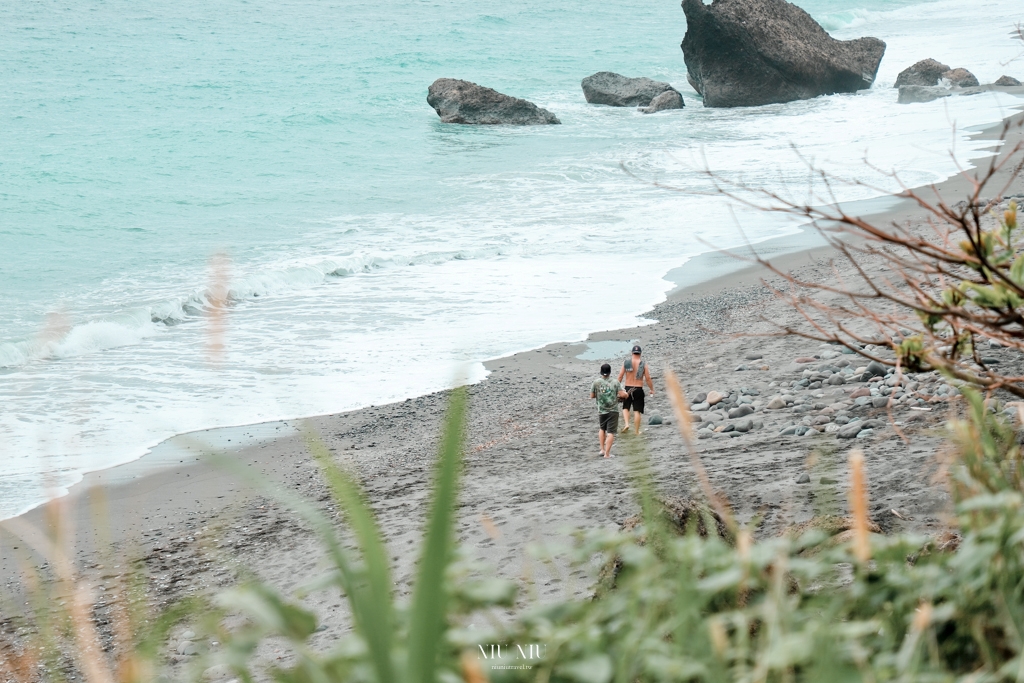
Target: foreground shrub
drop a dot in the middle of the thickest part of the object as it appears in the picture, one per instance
(693, 607)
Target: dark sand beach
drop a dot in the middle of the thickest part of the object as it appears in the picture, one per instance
(532, 467)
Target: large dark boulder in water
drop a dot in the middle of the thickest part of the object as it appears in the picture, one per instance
(743, 53)
(926, 72)
(617, 90)
(458, 101)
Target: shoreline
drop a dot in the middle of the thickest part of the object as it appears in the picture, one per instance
(530, 464)
(699, 274)
(695, 275)
(702, 273)
(705, 273)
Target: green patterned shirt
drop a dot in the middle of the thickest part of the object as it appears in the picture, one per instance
(606, 391)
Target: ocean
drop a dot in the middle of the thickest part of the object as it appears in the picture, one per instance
(156, 157)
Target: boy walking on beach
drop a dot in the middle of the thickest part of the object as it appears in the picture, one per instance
(635, 372)
(607, 391)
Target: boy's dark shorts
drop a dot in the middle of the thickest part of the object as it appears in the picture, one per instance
(609, 422)
(635, 399)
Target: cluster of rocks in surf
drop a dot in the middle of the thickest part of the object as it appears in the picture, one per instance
(930, 79)
(737, 53)
(457, 101)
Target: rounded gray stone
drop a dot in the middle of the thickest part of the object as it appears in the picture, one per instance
(741, 411)
(849, 431)
(875, 369)
(670, 99)
(217, 672)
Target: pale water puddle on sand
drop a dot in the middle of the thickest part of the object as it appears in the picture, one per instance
(605, 350)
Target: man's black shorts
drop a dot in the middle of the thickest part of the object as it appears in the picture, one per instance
(609, 422)
(635, 399)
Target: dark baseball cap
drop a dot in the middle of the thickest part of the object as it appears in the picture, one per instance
(606, 369)
(636, 348)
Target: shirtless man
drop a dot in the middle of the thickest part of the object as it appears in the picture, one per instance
(635, 373)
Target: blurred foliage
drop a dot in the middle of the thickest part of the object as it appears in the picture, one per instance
(71, 628)
(691, 607)
(691, 596)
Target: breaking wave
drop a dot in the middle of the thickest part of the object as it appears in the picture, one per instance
(135, 325)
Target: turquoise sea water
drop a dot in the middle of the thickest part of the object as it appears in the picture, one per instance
(138, 141)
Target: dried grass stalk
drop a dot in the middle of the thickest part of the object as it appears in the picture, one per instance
(683, 417)
(859, 507)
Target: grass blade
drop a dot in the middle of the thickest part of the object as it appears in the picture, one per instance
(429, 598)
(373, 603)
(350, 579)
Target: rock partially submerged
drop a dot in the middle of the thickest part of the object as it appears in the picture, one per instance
(670, 99)
(910, 94)
(1007, 82)
(616, 90)
(960, 78)
(753, 52)
(457, 101)
(927, 72)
